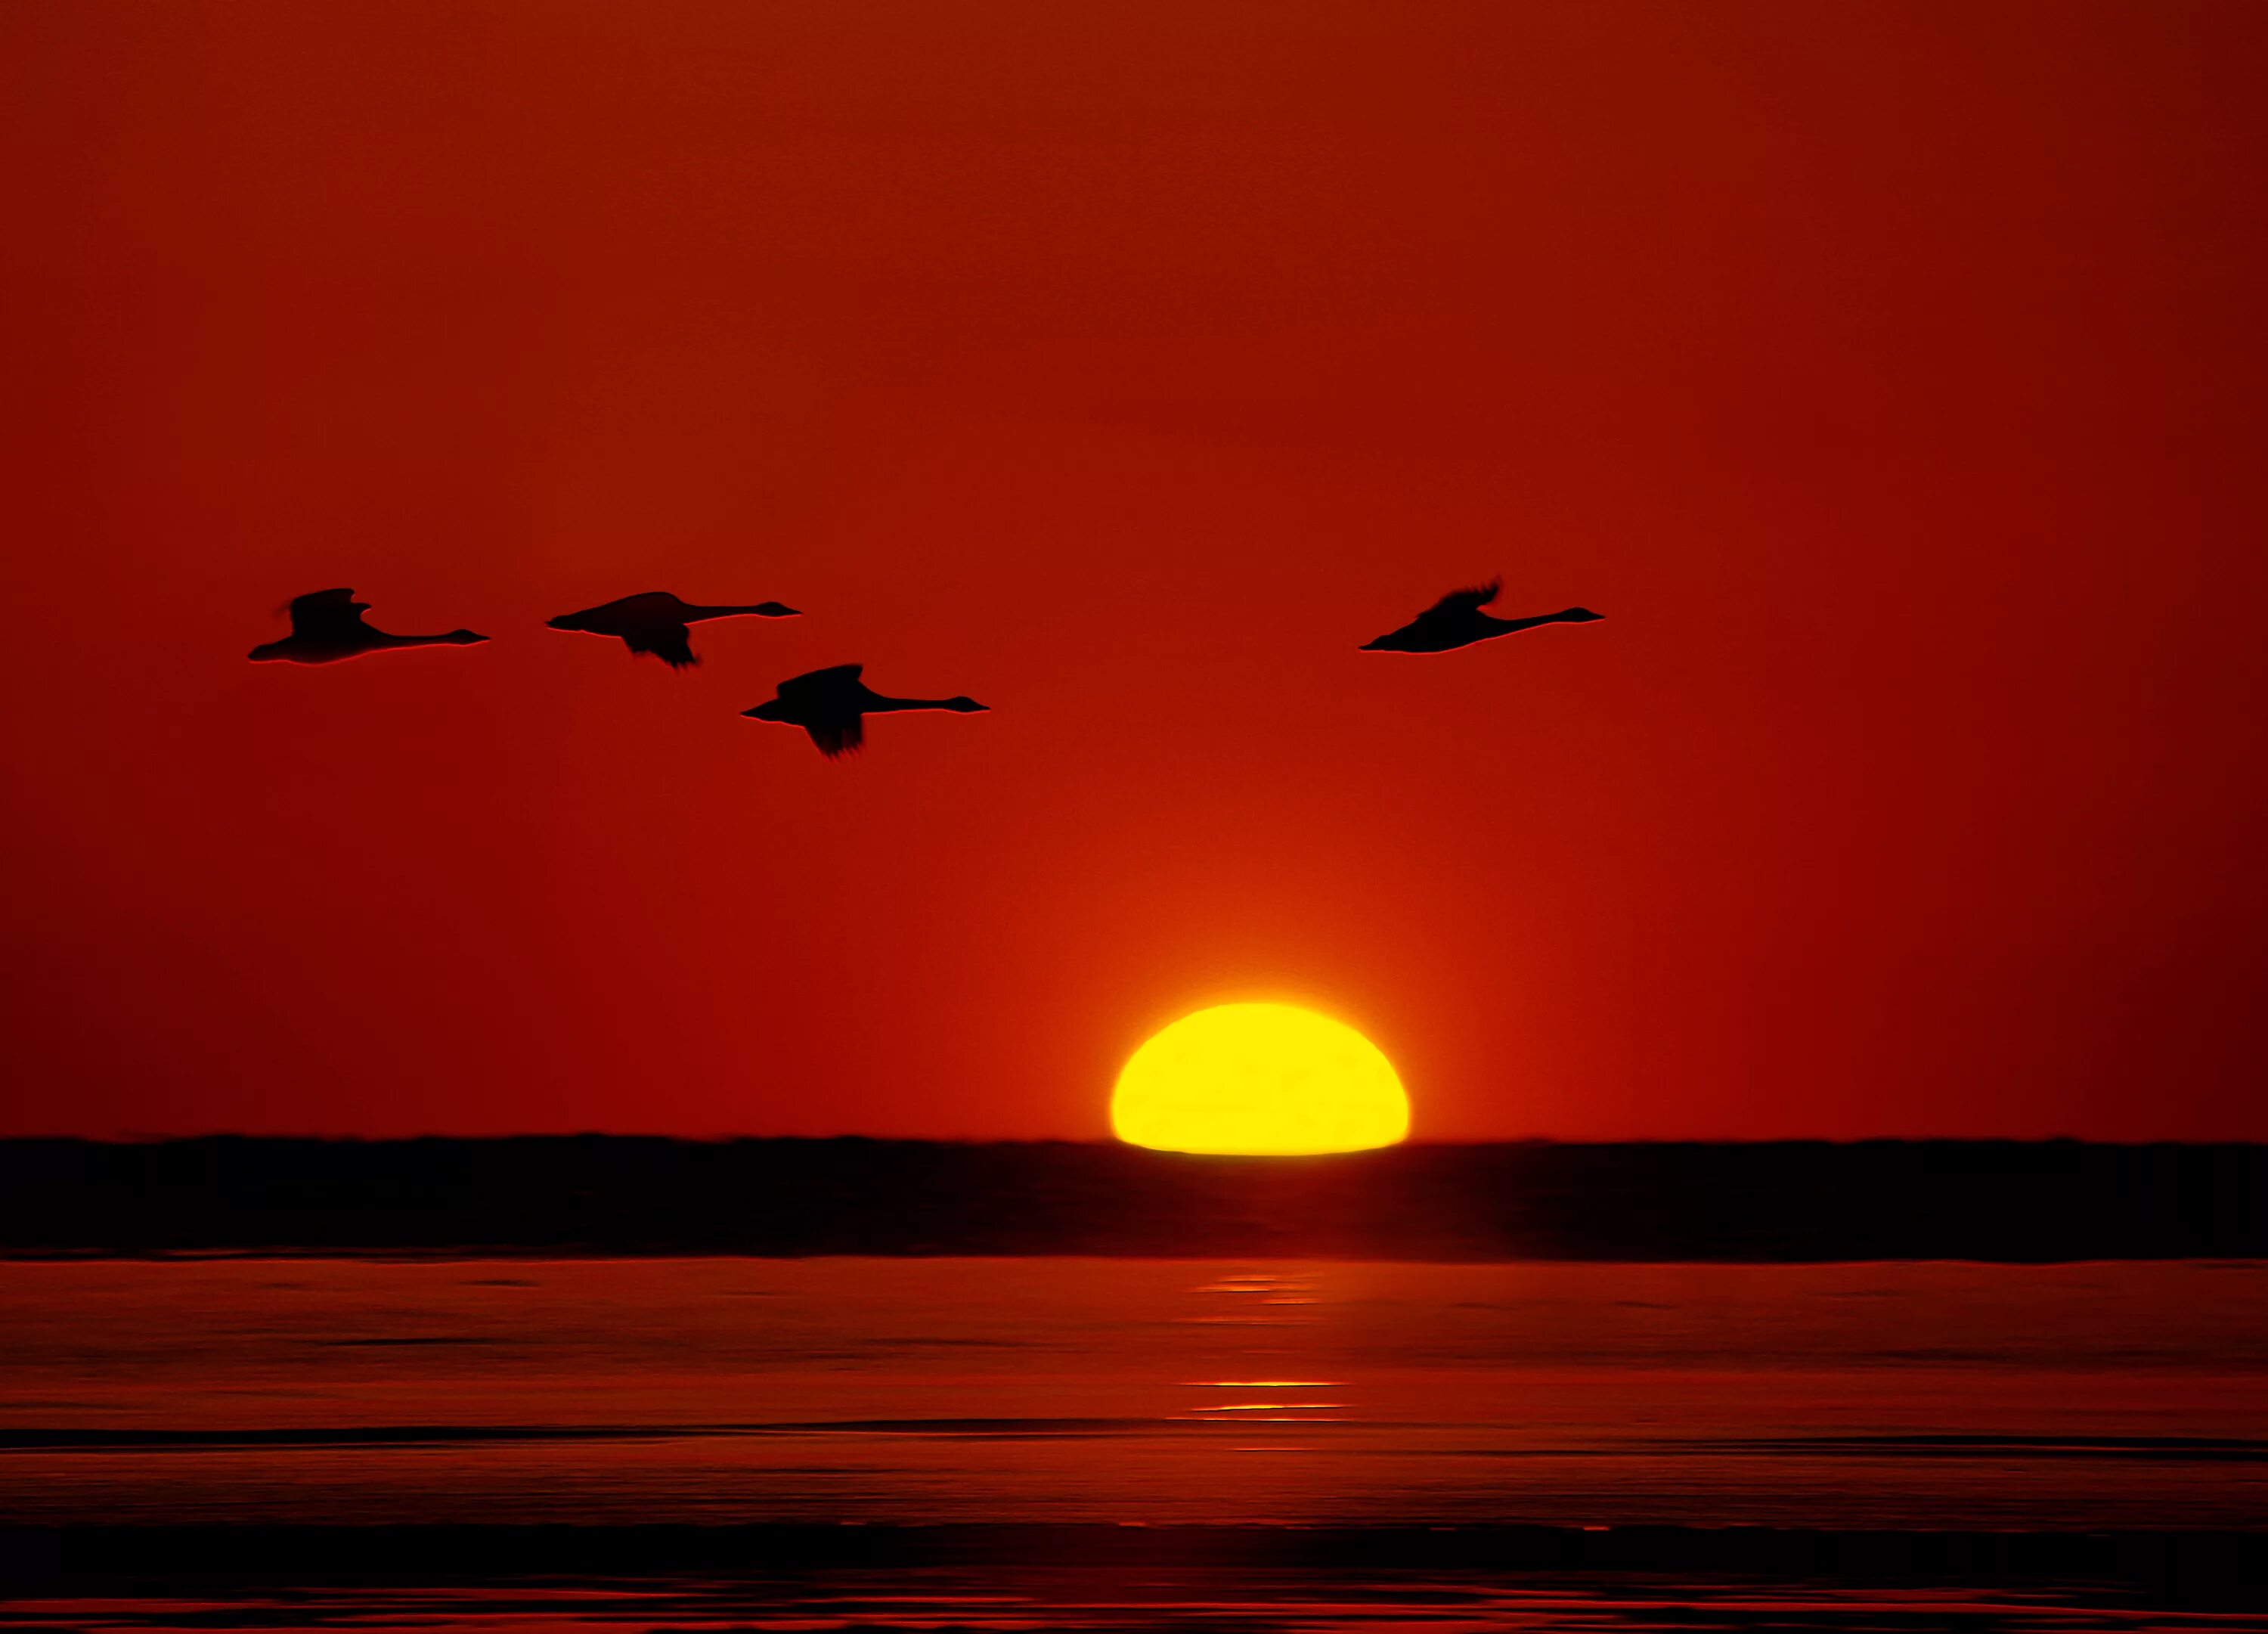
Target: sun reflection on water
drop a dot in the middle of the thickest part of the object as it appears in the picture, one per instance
(1240, 1293)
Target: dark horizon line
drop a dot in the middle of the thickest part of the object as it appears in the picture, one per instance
(1786, 1201)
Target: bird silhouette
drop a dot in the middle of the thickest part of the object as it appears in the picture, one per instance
(832, 705)
(1457, 621)
(327, 626)
(656, 623)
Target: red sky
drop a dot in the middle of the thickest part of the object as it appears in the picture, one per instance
(1891, 376)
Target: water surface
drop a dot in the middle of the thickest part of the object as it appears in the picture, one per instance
(1934, 1395)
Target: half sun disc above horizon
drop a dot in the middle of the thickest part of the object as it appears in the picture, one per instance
(1259, 1081)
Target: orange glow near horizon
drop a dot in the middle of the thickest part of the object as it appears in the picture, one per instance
(1260, 1080)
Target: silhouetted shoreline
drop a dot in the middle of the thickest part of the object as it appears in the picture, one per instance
(1792, 1201)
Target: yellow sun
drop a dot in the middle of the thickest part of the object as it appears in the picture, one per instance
(1262, 1079)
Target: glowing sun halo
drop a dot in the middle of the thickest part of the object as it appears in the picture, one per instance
(1270, 1080)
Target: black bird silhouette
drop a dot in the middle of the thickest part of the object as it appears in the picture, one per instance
(656, 623)
(1457, 621)
(327, 626)
(832, 705)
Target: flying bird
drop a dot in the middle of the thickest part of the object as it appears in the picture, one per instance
(656, 623)
(327, 626)
(832, 705)
(1457, 621)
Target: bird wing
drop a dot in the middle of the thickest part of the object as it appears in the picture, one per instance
(1468, 600)
(838, 735)
(672, 643)
(611, 618)
(332, 613)
(822, 686)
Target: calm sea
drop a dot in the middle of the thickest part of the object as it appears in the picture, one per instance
(1062, 1394)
